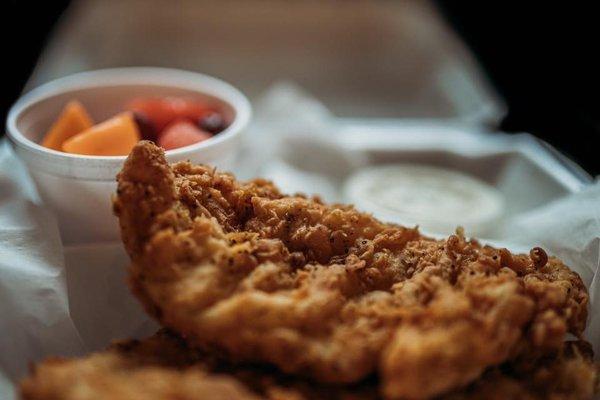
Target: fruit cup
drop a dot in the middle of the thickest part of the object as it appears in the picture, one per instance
(78, 188)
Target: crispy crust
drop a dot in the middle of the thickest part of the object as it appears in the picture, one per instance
(157, 368)
(163, 367)
(328, 292)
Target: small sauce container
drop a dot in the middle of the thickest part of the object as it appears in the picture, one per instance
(437, 199)
(78, 188)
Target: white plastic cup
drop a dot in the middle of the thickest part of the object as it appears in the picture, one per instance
(437, 199)
(78, 188)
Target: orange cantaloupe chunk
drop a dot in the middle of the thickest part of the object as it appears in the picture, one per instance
(72, 120)
(113, 137)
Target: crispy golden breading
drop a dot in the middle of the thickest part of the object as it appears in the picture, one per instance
(163, 367)
(568, 374)
(157, 368)
(328, 292)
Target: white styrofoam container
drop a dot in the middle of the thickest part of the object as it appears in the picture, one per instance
(525, 171)
(78, 188)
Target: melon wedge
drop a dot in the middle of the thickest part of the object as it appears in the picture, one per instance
(113, 137)
(72, 120)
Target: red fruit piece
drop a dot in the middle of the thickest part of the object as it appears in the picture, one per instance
(164, 110)
(181, 133)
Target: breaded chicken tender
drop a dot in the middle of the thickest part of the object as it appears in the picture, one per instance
(568, 374)
(156, 368)
(327, 292)
(163, 367)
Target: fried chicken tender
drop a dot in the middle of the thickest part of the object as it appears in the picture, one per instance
(328, 292)
(568, 374)
(163, 367)
(157, 368)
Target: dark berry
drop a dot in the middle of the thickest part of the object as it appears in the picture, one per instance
(212, 122)
(146, 126)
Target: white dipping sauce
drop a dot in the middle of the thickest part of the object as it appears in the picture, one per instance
(436, 199)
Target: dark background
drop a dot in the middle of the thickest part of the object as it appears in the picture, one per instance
(540, 57)
(541, 60)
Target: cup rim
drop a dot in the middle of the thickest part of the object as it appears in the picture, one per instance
(176, 78)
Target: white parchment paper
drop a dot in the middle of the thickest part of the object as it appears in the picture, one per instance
(69, 301)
